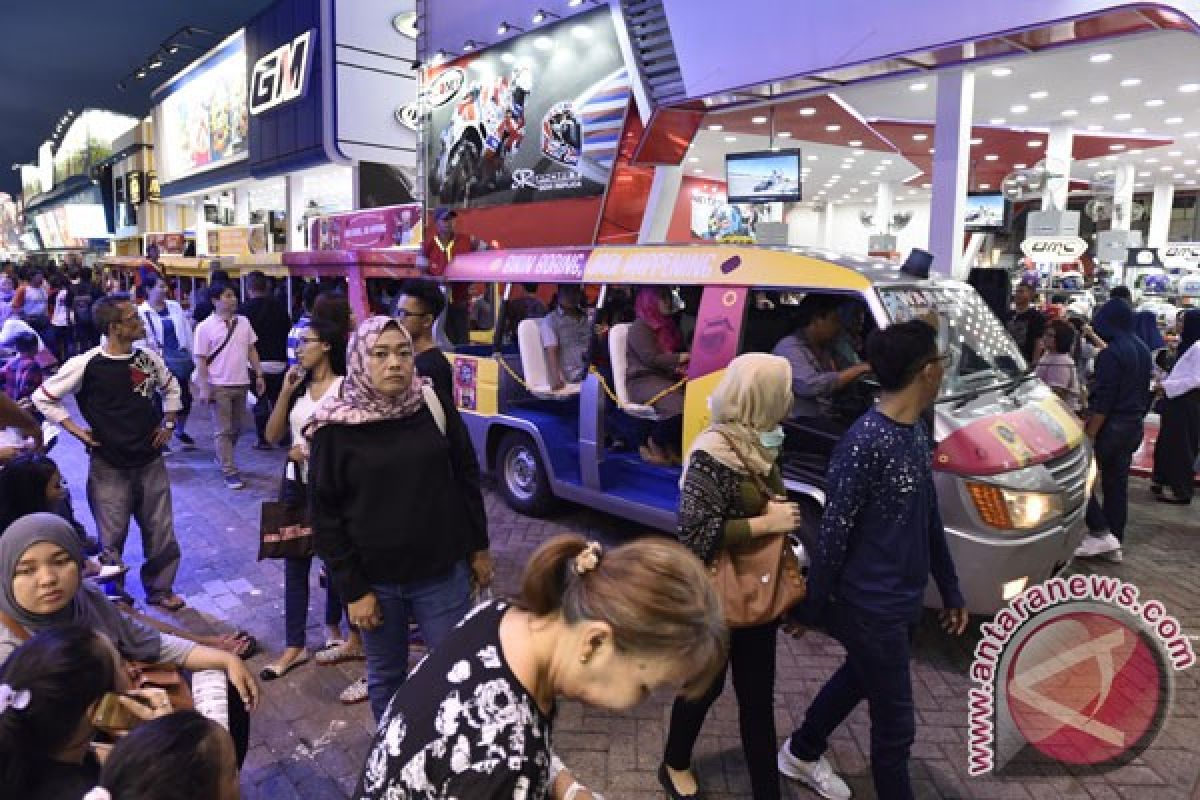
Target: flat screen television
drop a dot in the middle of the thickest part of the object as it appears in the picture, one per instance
(985, 211)
(763, 177)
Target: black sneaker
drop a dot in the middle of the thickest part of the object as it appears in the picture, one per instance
(187, 441)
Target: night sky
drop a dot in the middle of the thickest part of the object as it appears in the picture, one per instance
(69, 54)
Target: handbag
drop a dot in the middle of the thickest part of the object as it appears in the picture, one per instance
(283, 531)
(759, 581)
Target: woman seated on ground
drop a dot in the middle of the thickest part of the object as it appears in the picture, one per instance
(50, 688)
(181, 756)
(41, 588)
(654, 365)
(605, 628)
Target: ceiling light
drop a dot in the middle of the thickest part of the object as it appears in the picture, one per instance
(141, 73)
(731, 138)
(985, 186)
(1190, 162)
(155, 62)
(1188, 88)
(1001, 72)
(1034, 143)
(1116, 147)
(976, 140)
(694, 160)
(1145, 174)
(697, 171)
(776, 148)
(1070, 112)
(864, 182)
(812, 157)
(1020, 166)
(469, 45)
(926, 185)
(1167, 168)
(1100, 58)
(540, 16)
(991, 157)
(919, 86)
(716, 127)
(1018, 109)
(1093, 164)
(1131, 82)
(833, 128)
(1041, 94)
(1151, 160)
(996, 121)
(759, 120)
(1097, 99)
(931, 151)
(1095, 128)
(855, 143)
(504, 27)
(920, 137)
(1154, 102)
(860, 152)
(1124, 115)
(1174, 120)
(1111, 158)
(1191, 134)
(1175, 153)
(807, 111)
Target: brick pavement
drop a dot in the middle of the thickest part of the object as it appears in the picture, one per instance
(305, 744)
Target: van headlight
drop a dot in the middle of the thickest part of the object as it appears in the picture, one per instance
(1090, 484)
(1010, 509)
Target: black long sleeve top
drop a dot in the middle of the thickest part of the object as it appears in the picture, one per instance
(395, 501)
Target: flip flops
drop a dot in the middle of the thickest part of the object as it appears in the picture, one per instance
(273, 672)
(354, 693)
(168, 602)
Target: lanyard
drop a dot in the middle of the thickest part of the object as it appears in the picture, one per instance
(447, 250)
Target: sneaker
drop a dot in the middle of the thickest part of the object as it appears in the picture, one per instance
(816, 775)
(187, 441)
(355, 692)
(1101, 545)
(234, 481)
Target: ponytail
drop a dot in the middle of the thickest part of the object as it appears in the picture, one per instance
(47, 687)
(654, 594)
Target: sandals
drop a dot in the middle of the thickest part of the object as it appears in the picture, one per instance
(354, 693)
(273, 672)
(239, 643)
(168, 602)
(337, 651)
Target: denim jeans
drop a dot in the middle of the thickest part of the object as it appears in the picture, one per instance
(437, 604)
(117, 494)
(1115, 445)
(876, 668)
(295, 601)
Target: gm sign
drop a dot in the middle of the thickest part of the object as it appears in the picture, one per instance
(280, 76)
(1054, 249)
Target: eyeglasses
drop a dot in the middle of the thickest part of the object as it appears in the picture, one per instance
(404, 313)
(306, 340)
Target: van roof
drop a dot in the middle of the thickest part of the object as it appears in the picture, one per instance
(735, 265)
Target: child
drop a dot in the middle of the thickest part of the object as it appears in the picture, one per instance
(1057, 368)
(23, 374)
(179, 755)
(32, 483)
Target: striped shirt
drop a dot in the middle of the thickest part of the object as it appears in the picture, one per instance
(293, 339)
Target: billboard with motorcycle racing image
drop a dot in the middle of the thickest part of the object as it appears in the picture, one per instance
(535, 118)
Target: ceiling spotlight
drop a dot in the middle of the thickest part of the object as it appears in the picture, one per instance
(788, 135)
(155, 62)
(1174, 120)
(141, 73)
(731, 138)
(833, 128)
(807, 111)
(504, 27)
(1094, 128)
(855, 143)
(996, 121)
(541, 15)
(1154, 103)
(1137, 130)
(1020, 166)
(1034, 143)
(759, 120)
(440, 57)
(1123, 116)
(919, 86)
(920, 137)
(1039, 95)
(1001, 72)
(172, 49)
(716, 127)
(469, 45)
(991, 157)
(1070, 112)
(1019, 109)
(1097, 99)
(1128, 82)
(1100, 58)
(1116, 147)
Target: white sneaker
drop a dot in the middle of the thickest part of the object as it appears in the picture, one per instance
(1104, 546)
(816, 775)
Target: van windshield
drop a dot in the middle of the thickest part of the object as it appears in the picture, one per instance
(982, 353)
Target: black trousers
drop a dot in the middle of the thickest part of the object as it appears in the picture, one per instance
(1177, 444)
(752, 656)
(1114, 447)
(264, 403)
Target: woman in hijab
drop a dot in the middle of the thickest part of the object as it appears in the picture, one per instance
(1145, 325)
(397, 513)
(721, 506)
(41, 563)
(654, 365)
(1179, 430)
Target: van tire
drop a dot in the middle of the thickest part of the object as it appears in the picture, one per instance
(522, 476)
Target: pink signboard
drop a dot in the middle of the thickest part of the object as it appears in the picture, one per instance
(715, 342)
(520, 266)
(390, 226)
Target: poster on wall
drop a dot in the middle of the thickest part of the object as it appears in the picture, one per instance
(536, 118)
(385, 184)
(714, 219)
(240, 240)
(395, 226)
(167, 243)
(204, 120)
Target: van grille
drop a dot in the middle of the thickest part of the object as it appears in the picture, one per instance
(1070, 472)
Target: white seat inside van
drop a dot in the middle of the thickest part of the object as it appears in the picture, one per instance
(618, 337)
(534, 365)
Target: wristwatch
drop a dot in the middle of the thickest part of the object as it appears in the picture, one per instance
(169, 425)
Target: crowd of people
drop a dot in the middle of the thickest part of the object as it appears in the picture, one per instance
(384, 483)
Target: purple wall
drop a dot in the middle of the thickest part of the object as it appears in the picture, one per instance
(724, 46)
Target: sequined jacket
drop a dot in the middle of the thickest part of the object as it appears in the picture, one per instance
(716, 503)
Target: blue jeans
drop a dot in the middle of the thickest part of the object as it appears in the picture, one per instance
(295, 601)
(876, 668)
(437, 604)
(1115, 445)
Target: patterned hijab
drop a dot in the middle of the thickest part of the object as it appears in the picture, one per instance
(89, 607)
(670, 339)
(359, 402)
(753, 397)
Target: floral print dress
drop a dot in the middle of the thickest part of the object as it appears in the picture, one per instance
(462, 726)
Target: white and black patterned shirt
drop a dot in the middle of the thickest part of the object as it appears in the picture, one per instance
(462, 726)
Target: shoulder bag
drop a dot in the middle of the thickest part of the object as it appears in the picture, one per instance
(760, 580)
(284, 529)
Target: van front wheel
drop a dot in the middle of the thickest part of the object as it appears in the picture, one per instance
(522, 476)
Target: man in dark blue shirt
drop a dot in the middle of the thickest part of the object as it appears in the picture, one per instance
(1118, 400)
(881, 537)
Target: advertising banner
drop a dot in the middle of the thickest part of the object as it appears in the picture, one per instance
(535, 118)
(394, 226)
(714, 219)
(1181, 254)
(239, 240)
(1054, 249)
(167, 243)
(204, 119)
(515, 266)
